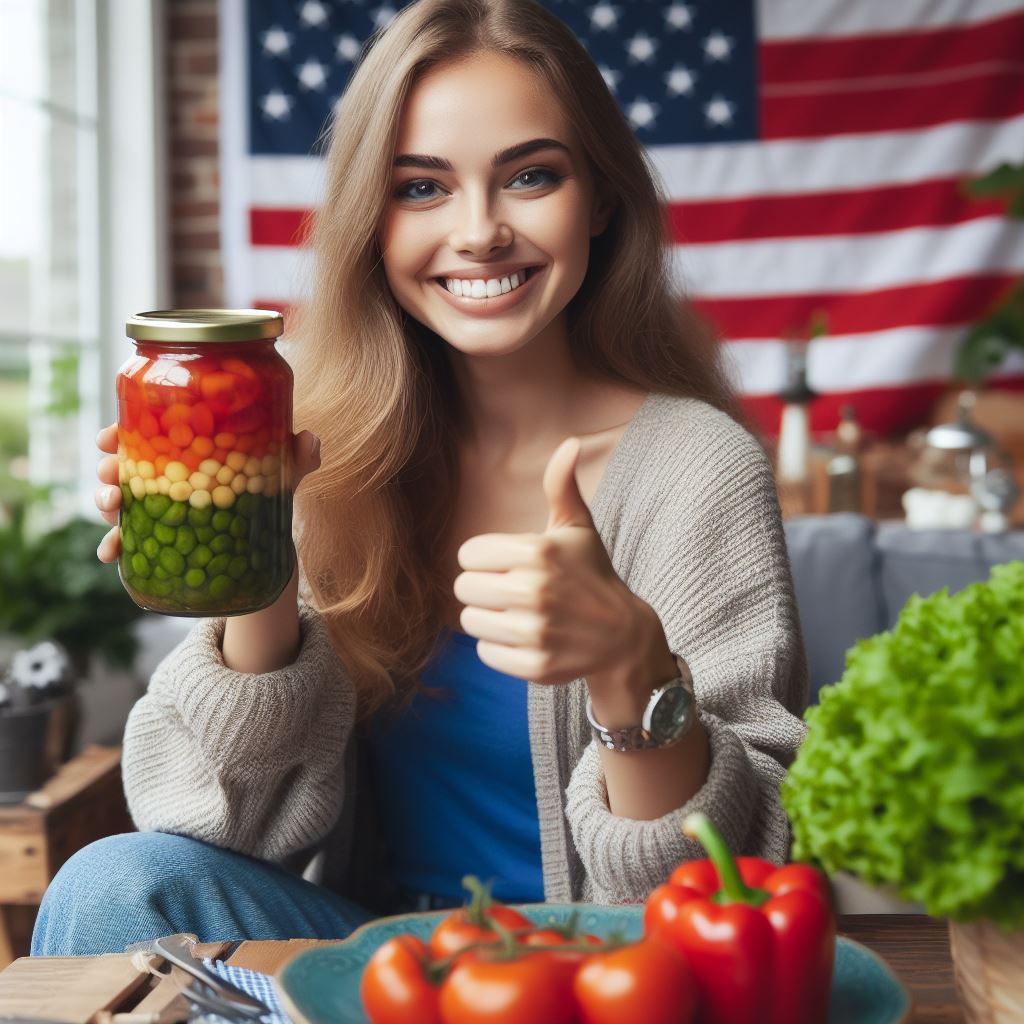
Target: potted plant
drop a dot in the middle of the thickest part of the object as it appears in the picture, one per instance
(912, 776)
(35, 716)
(58, 607)
(1002, 329)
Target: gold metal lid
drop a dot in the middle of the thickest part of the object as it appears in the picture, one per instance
(192, 325)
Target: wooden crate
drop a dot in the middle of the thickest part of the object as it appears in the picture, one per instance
(108, 989)
(83, 802)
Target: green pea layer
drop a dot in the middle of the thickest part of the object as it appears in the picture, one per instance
(184, 560)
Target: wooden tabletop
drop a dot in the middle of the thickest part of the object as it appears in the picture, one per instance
(917, 949)
(914, 946)
(84, 990)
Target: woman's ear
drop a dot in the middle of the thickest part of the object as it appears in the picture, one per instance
(601, 214)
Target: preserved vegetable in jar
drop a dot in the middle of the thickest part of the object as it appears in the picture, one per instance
(204, 428)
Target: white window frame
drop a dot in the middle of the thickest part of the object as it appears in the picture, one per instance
(132, 187)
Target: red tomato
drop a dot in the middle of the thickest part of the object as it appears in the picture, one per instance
(553, 937)
(569, 959)
(395, 988)
(648, 981)
(486, 990)
(456, 931)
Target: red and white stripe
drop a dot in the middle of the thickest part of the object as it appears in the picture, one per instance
(872, 116)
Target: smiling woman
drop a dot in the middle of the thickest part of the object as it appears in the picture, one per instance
(547, 610)
(489, 212)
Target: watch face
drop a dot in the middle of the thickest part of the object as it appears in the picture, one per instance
(671, 713)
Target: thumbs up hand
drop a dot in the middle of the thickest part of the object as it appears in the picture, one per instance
(549, 606)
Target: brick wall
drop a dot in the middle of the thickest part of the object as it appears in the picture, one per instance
(192, 111)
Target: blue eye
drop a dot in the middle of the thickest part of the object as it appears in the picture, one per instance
(423, 189)
(403, 191)
(548, 177)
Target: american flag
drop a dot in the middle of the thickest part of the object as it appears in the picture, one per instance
(813, 154)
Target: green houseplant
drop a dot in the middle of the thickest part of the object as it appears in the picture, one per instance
(912, 776)
(1002, 329)
(53, 591)
(54, 588)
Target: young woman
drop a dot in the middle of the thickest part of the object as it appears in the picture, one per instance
(532, 518)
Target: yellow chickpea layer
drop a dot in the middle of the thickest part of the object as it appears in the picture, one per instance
(214, 482)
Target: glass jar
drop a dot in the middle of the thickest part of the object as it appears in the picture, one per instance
(204, 425)
(962, 479)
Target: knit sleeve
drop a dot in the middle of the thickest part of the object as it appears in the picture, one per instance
(250, 762)
(716, 570)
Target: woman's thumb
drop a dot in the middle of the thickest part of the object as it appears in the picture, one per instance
(305, 455)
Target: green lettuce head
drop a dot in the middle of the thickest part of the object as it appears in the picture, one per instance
(912, 773)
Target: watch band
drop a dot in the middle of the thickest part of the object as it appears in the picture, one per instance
(639, 737)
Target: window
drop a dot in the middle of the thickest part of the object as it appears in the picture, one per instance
(49, 331)
(81, 245)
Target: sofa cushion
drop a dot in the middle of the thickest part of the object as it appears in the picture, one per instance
(835, 575)
(924, 561)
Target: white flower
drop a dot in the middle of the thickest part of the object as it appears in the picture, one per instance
(44, 668)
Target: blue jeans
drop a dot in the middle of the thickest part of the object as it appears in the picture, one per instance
(142, 885)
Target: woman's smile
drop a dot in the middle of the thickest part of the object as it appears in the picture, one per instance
(478, 297)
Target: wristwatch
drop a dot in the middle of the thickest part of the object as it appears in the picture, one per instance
(668, 717)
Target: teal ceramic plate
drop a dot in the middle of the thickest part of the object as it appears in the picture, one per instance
(321, 985)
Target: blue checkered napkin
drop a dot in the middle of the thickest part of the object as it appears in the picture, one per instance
(254, 984)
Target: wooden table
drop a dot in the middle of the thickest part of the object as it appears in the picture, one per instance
(86, 990)
(82, 802)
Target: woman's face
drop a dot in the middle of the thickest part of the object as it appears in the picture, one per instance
(489, 181)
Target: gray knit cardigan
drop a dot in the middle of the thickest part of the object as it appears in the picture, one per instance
(267, 764)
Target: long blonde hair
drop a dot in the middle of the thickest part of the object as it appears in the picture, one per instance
(376, 386)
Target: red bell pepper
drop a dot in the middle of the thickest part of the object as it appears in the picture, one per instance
(760, 939)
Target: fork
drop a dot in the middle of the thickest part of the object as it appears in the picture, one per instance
(178, 950)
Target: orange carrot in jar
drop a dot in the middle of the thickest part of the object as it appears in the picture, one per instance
(202, 419)
(179, 412)
(240, 369)
(181, 435)
(203, 446)
(148, 424)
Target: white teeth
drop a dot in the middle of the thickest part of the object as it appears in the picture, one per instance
(479, 289)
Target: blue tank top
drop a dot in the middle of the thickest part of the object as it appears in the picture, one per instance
(453, 781)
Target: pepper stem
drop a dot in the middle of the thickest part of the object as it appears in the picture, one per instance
(733, 889)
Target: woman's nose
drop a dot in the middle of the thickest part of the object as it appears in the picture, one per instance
(479, 227)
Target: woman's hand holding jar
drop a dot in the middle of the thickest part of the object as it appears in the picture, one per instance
(259, 641)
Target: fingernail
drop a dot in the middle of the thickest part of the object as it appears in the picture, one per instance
(107, 497)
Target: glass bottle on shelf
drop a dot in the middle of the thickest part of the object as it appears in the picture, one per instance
(962, 479)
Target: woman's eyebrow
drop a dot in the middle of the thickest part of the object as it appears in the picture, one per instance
(437, 163)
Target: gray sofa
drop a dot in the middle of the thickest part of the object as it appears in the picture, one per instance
(852, 577)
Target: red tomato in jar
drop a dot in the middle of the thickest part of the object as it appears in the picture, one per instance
(457, 931)
(648, 981)
(395, 988)
(483, 989)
